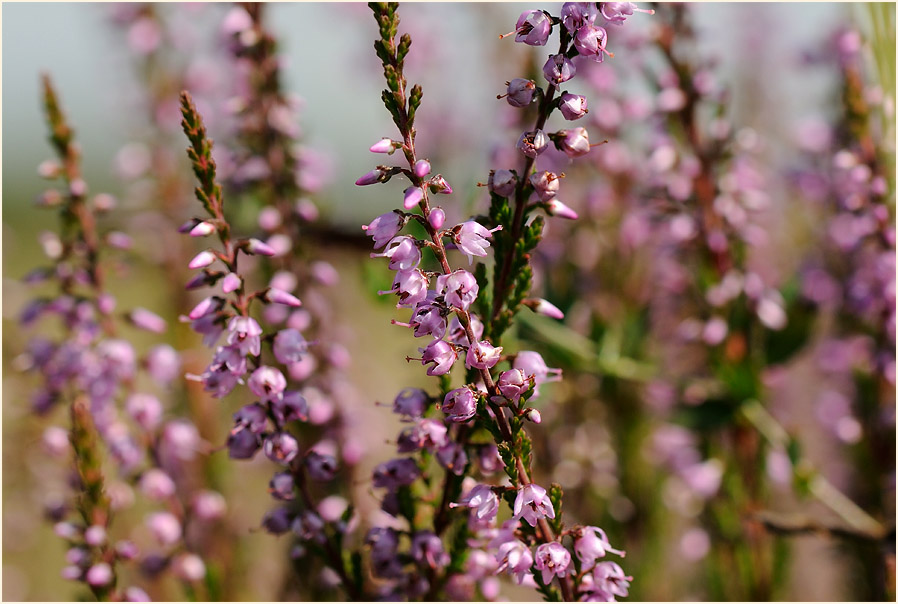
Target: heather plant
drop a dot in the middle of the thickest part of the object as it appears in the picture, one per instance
(608, 305)
(119, 436)
(486, 405)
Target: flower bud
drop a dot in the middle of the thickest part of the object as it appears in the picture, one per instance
(438, 184)
(556, 208)
(533, 143)
(202, 229)
(99, 575)
(146, 320)
(437, 218)
(384, 145)
(230, 283)
(374, 176)
(202, 260)
(533, 415)
(559, 69)
(279, 296)
(574, 142)
(422, 168)
(413, 196)
(254, 246)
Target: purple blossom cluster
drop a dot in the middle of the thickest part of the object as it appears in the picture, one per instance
(94, 371)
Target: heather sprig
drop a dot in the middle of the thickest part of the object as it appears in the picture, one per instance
(460, 292)
(91, 369)
(267, 424)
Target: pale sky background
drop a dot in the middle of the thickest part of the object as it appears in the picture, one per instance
(343, 116)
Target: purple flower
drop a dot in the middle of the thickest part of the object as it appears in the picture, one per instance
(532, 504)
(267, 383)
(253, 417)
(403, 253)
(459, 405)
(321, 467)
(482, 355)
(99, 575)
(573, 142)
(157, 485)
(383, 228)
(289, 346)
(590, 42)
(558, 69)
(553, 560)
(452, 456)
(573, 106)
(439, 185)
(291, 407)
(441, 354)
(512, 384)
(609, 577)
(396, 473)
(428, 319)
(543, 307)
(532, 363)
(483, 500)
(411, 402)
(545, 184)
(281, 486)
(520, 92)
(243, 443)
(411, 286)
(533, 28)
(533, 143)
(591, 543)
(427, 549)
(617, 12)
(459, 288)
(457, 333)
(514, 558)
(281, 448)
(244, 332)
(471, 238)
(279, 296)
(425, 434)
(502, 182)
(575, 15)
(277, 521)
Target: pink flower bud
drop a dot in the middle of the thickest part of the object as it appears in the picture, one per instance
(384, 145)
(149, 321)
(534, 416)
(437, 218)
(95, 535)
(230, 283)
(165, 527)
(202, 229)
(99, 575)
(371, 177)
(413, 196)
(104, 202)
(556, 208)
(188, 567)
(49, 169)
(254, 246)
(279, 296)
(422, 168)
(119, 240)
(544, 307)
(438, 184)
(202, 260)
(206, 306)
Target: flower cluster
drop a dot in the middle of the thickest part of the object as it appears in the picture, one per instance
(94, 371)
(472, 334)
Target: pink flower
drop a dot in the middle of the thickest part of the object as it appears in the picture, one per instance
(460, 405)
(591, 543)
(403, 253)
(483, 500)
(532, 504)
(267, 383)
(471, 238)
(512, 384)
(459, 288)
(533, 28)
(573, 106)
(441, 354)
(482, 355)
(553, 560)
(515, 558)
(573, 142)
